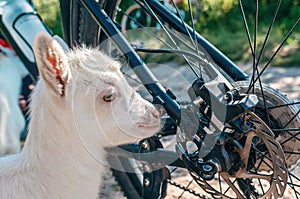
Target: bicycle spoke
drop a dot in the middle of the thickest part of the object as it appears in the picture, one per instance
(232, 186)
(268, 32)
(248, 36)
(146, 29)
(283, 105)
(168, 33)
(292, 119)
(187, 186)
(255, 39)
(290, 175)
(246, 26)
(276, 51)
(160, 23)
(256, 74)
(263, 157)
(264, 102)
(194, 33)
(156, 37)
(259, 180)
(180, 40)
(282, 43)
(193, 26)
(292, 152)
(292, 136)
(253, 48)
(286, 129)
(220, 184)
(255, 63)
(293, 185)
(183, 24)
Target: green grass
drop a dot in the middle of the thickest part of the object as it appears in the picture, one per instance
(236, 46)
(50, 14)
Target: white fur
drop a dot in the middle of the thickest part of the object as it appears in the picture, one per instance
(71, 123)
(12, 121)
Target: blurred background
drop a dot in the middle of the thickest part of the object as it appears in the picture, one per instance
(220, 21)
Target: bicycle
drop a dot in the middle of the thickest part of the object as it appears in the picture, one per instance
(151, 181)
(251, 150)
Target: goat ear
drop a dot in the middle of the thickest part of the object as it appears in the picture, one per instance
(52, 63)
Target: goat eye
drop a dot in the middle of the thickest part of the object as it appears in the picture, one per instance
(110, 97)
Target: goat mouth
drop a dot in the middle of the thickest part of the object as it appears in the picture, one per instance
(148, 126)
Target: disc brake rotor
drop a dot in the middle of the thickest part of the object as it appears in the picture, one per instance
(262, 172)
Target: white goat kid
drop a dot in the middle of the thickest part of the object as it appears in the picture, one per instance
(12, 121)
(81, 104)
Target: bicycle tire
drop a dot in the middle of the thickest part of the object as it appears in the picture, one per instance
(125, 18)
(78, 25)
(129, 182)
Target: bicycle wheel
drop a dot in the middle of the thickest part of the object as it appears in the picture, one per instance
(138, 14)
(277, 114)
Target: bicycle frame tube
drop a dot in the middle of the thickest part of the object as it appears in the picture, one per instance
(19, 24)
(138, 66)
(219, 58)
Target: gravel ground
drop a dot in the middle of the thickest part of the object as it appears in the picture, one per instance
(287, 80)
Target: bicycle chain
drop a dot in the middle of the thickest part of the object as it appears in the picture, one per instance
(187, 189)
